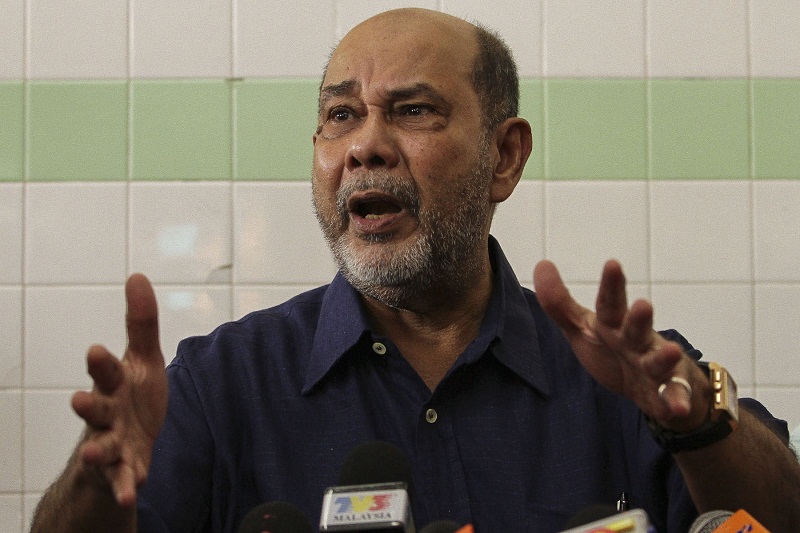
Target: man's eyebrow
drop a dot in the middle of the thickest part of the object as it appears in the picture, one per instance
(333, 90)
(416, 90)
(349, 87)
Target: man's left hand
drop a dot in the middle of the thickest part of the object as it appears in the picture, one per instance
(619, 347)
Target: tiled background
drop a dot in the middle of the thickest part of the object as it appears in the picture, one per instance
(173, 138)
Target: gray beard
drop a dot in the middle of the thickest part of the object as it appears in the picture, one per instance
(441, 258)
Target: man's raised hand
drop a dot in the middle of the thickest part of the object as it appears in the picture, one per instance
(126, 407)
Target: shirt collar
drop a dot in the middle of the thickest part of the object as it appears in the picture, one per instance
(508, 328)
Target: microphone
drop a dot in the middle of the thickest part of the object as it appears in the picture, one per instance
(741, 521)
(275, 517)
(708, 522)
(633, 521)
(372, 492)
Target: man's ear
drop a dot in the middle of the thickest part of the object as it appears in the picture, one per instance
(512, 143)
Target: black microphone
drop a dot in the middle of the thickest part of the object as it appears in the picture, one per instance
(710, 521)
(372, 492)
(275, 517)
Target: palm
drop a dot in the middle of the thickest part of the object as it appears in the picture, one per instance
(126, 408)
(616, 344)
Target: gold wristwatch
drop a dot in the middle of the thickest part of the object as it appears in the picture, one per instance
(721, 422)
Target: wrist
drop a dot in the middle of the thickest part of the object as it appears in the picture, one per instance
(713, 417)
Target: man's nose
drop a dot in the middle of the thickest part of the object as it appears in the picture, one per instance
(373, 145)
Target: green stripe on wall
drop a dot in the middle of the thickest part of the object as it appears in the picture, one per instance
(12, 120)
(261, 129)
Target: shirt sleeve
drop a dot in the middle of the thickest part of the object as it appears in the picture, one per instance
(177, 495)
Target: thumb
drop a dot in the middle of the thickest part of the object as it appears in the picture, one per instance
(142, 318)
(555, 298)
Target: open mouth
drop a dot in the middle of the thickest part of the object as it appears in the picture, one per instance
(374, 206)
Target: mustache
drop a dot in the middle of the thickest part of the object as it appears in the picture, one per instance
(404, 191)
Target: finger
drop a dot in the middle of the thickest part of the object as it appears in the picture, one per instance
(123, 483)
(104, 368)
(93, 408)
(612, 300)
(142, 317)
(556, 299)
(101, 449)
(637, 327)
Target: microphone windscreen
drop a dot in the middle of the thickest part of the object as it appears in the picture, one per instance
(708, 522)
(590, 514)
(441, 526)
(376, 462)
(275, 517)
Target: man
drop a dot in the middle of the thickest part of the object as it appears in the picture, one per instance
(425, 339)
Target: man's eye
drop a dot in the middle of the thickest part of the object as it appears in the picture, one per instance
(340, 114)
(416, 110)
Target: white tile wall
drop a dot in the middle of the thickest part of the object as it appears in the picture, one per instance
(51, 431)
(268, 43)
(522, 28)
(603, 38)
(719, 259)
(11, 441)
(775, 38)
(519, 225)
(697, 39)
(701, 231)
(276, 231)
(12, 28)
(777, 230)
(65, 43)
(181, 232)
(181, 38)
(11, 210)
(777, 317)
(61, 322)
(11, 512)
(11, 333)
(589, 223)
(716, 318)
(75, 233)
(190, 310)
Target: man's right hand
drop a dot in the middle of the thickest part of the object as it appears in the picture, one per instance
(126, 407)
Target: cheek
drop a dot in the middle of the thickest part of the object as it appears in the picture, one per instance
(328, 162)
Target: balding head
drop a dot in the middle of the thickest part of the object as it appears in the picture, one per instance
(479, 52)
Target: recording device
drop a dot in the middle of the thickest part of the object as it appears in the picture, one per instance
(633, 521)
(372, 492)
(708, 522)
(741, 522)
(275, 517)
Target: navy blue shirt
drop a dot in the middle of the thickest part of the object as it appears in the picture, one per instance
(267, 408)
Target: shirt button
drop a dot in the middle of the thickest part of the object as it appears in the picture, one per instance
(379, 348)
(431, 415)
